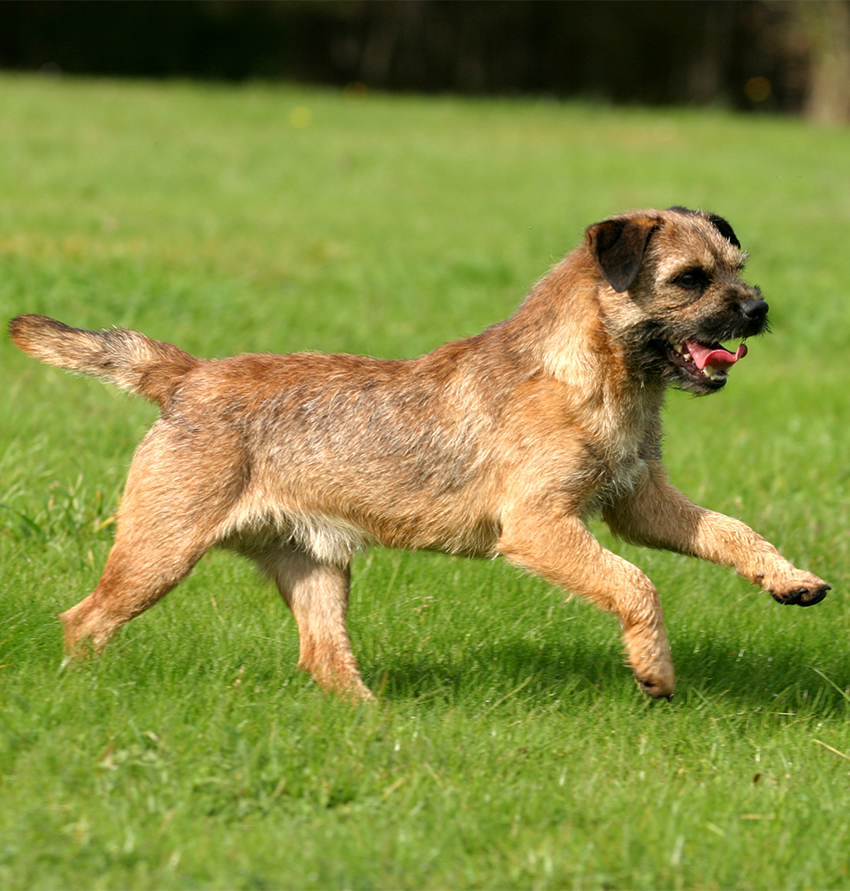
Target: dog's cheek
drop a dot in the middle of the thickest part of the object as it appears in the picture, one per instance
(624, 313)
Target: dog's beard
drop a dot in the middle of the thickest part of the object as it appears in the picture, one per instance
(696, 361)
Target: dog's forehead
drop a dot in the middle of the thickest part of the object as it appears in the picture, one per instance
(693, 240)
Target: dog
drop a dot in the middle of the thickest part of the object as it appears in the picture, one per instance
(501, 444)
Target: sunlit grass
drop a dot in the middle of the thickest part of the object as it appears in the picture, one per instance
(510, 747)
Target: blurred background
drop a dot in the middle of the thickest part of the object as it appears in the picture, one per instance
(790, 56)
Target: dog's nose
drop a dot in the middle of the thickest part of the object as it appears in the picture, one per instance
(754, 310)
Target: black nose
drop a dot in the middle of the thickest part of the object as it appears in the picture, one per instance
(754, 310)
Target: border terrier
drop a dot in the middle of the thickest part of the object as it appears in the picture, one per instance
(500, 444)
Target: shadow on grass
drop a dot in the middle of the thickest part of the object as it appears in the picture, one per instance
(788, 677)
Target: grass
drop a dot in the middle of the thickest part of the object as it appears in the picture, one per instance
(510, 747)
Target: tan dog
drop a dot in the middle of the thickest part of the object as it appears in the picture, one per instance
(499, 444)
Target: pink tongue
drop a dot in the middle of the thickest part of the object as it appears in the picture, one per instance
(715, 357)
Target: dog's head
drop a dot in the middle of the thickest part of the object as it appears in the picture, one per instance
(674, 292)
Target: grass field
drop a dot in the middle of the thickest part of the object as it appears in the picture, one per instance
(510, 747)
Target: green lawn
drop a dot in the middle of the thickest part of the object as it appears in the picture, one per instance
(510, 747)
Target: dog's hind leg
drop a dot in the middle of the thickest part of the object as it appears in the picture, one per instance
(563, 551)
(169, 517)
(142, 567)
(317, 594)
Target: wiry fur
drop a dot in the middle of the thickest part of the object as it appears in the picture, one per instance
(496, 445)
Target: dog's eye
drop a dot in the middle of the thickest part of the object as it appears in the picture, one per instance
(693, 280)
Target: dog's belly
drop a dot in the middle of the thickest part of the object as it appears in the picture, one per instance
(331, 537)
(329, 540)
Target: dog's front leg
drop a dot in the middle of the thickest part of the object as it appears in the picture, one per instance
(562, 550)
(658, 515)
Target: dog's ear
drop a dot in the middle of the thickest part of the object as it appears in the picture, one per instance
(724, 228)
(618, 245)
(718, 222)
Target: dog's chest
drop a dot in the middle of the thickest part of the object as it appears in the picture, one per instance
(615, 456)
(611, 483)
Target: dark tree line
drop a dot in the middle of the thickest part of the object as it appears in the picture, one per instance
(789, 55)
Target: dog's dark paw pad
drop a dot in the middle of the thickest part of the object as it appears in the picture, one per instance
(801, 596)
(810, 598)
(788, 598)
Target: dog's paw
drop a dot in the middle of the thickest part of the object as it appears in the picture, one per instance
(650, 660)
(656, 678)
(805, 590)
(655, 687)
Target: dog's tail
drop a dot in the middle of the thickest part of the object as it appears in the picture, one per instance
(127, 358)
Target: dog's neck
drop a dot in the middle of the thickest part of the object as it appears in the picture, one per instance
(560, 332)
(562, 327)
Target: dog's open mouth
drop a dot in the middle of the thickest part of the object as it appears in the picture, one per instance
(708, 362)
